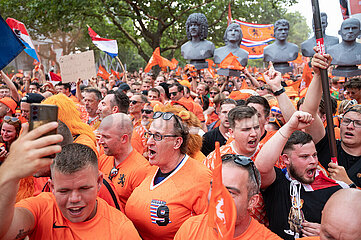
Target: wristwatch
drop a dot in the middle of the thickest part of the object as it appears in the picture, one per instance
(352, 185)
(279, 92)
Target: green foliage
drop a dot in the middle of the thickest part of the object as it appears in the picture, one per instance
(142, 25)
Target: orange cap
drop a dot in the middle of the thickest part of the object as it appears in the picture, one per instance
(9, 103)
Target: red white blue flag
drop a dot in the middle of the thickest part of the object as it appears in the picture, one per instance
(20, 31)
(109, 46)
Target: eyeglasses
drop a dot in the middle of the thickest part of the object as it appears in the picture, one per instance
(147, 111)
(347, 121)
(157, 136)
(243, 161)
(173, 94)
(113, 172)
(135, 102)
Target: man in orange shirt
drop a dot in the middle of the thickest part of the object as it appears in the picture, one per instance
(72, 210)
(174, 191)
(243, 182)
(122, 164)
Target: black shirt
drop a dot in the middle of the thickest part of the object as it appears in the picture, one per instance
(278, 203)
(352, 164)
(210, 138)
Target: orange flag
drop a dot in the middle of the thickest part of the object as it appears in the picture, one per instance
(299, 59)
(103, 73)
(306, 78)
(231, 62)
(210, 67)
(157, 59)
(256, 32)
(175, 63)
(178, 72)
(244, 85)
(115, 73)
(222, 213)
(295, 85)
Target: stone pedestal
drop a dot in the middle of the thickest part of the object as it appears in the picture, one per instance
(346, 71)
(199, 64)
(229, 72)
(283, 67)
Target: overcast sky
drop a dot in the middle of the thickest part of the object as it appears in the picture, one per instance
(330, 7)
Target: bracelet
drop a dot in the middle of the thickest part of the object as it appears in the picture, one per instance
(279, 130)
(279, 92)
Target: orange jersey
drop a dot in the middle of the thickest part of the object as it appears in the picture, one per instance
(158, 211)
(131, 172)
(258, 212)
(108, 222)
(212, 118)
(197, 228)
(141, 130)
(136, 142)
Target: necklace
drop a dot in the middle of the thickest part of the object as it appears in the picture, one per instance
(113, 172)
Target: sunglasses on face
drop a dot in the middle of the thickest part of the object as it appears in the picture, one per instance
(243, 161)
(213, 93)
(135, 102)
(147, 111)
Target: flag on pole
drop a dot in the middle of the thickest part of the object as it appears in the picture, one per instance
(20, 31)
(115, 73)
(10, 45)
(103, 73)
(229, 18)
(222, 212)
(108, 46)
(157, 59)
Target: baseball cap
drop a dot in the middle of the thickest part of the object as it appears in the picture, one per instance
(32, 98)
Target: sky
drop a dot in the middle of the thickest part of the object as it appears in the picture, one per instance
(330, 7)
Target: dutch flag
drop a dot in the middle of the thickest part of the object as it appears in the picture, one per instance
(109, 46)
(20, 30)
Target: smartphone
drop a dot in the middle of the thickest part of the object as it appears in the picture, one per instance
(41, 114)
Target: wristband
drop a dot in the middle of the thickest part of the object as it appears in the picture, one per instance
(279, 92)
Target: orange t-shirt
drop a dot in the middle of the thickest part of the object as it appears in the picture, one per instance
(258, 212)
(131, 173)
(141, 130)
(310, 238)
(158, 211)
(197, 228)
(108, 222)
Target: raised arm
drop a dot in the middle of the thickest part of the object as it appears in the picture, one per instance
(25, 158)
(272, 149)
(251, 78)
(10, 84)
(273, 79)
(314, 95)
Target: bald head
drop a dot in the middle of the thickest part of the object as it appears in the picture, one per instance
(341, 216)
(120, 123)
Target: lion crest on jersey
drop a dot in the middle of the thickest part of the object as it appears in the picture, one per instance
(219, 211)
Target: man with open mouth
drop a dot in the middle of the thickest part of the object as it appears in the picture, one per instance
(294, 196)
(72, 209)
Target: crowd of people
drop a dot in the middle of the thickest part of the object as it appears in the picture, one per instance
(135, 155)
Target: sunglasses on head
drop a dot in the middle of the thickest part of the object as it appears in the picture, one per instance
(9, 119)
(167, 116)
(147, 111)
(243, 161)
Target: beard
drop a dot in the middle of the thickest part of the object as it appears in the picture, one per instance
(298, 176)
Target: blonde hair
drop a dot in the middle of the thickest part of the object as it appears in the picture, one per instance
(69, 114)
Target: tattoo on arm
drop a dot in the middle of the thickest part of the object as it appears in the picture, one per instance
(22, 233)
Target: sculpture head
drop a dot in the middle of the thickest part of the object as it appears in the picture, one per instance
(281, 30)
(233, 34)
(350, 29)
(197, 25)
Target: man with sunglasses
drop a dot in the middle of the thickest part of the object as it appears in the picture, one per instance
(137, 102)
(242, 180)
(176, 190)
(120, 163)
(294, 196)
(348, 167)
